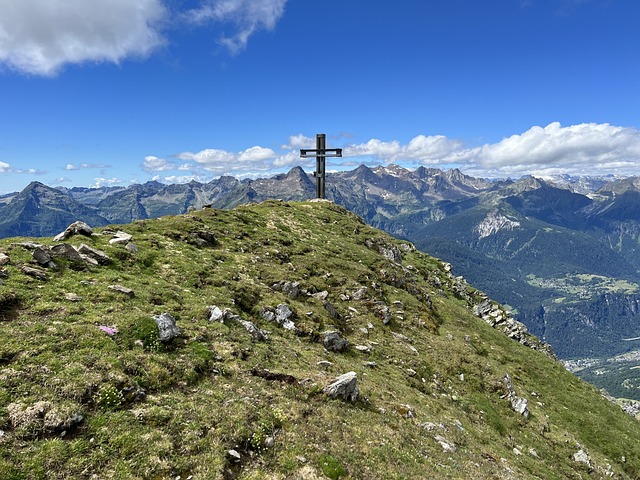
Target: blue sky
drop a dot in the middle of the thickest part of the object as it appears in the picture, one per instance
(110, 92)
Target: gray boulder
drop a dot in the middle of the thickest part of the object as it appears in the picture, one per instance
(76, 228)
(333, 341)
(345, 387)
(98, 255)
(167, 328)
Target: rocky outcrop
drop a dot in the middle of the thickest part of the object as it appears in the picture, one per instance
(519, 404)
(76, 228)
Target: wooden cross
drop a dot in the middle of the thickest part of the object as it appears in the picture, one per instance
(320, 152)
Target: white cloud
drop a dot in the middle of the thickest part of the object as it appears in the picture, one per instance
(73, 166)
(5, 168)
(247, 16)
(106, 182)
(299, 141)
(583, 148)
(587, 148)
(224, 162)
(41, 36)
(155, 164)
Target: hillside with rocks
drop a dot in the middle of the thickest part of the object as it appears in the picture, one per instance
(278, 340)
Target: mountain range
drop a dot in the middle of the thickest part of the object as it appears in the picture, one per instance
(563, 254)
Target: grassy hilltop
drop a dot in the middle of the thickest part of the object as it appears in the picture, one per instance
(91, 388)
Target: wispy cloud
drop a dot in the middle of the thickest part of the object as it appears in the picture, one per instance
(41, 36)
(246, 17)
(222, 162)
(6, 168)
(73, 166)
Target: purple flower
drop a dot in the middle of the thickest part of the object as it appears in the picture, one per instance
(109, 330)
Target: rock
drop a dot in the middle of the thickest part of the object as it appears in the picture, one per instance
(4, 259)
(321, 295)
(345, 387)
(370, 364)
(582, 457)
(445, 444)
(268, 314)
(333, 313)
(167, 328)
(98, 255)
(233, 455)
(324, 364)
(132, 247)
(216, 315)
(72, 297)
(64, 250)
(333, 341)
(283, 316)
(256, 334)
(43, 258)
(269, 442)
(519, 404)
(292, 289)
(360, 294)
(34, 272)
(363, 348)
(383, 312)
(123, 290)
(76, 228)
(120, 237)
(388, 251)
(274, 376)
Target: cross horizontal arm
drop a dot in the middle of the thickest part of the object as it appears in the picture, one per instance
(324, 152)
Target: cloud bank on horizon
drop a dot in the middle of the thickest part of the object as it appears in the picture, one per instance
(584, 149)
(40, 37)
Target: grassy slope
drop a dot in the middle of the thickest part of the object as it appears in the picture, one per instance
(202, 398)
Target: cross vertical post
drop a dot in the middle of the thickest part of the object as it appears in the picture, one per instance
(320, 153)
(321, 143)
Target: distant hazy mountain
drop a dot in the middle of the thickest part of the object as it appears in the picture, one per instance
(564, 253)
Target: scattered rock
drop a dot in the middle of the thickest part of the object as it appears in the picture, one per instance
(324, 364)
(120, 237)
(345, 387)
(283, 315)
(446, 445)
(167, 328)
(123, 290)
(360, 294)
(370, 364)
(72, 297)
(321, 295)
(292, 289)
(4, 259)
(233, 455)
(131, 247)
(34, 272)
(216, 315)
(76, 228)
(519, 404)
(43, 258)
(256, 334)
(64, 250)
(269, 375)
(333, 313)
(582, 457)
(333, 341)
(98, 255)
(387, 250)
(363, 348)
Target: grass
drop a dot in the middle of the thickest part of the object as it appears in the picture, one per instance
(156, 410)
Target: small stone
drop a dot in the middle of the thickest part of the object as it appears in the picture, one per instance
(363, 348)
(132, 247)
(215, 314)
(269, 442)
(411, 372)
(98, 255)
(34, 272)
(321, 295)
(445, 444)
(124, 290)
(324, 364)
(233, 455)
(256, 334)
(4, 259)
(370, 364)
(72, 297)
(516, 451)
